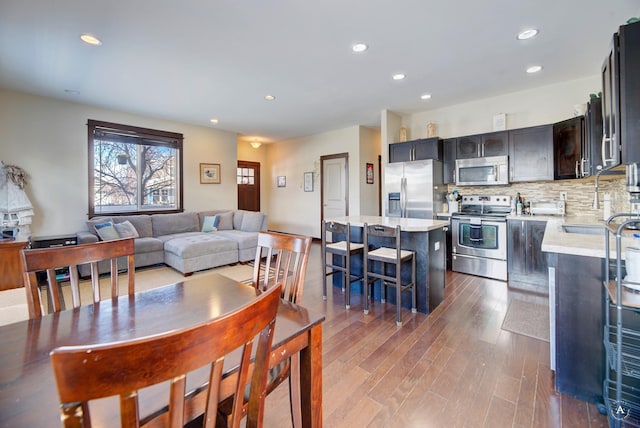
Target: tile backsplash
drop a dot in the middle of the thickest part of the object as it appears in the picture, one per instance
(580, 193)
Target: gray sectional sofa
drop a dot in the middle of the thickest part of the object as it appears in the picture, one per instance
(178, 240)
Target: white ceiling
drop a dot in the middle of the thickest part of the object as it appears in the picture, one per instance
(192, 60)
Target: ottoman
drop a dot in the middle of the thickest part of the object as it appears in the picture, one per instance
(197, 252)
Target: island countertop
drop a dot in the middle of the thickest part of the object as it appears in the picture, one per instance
(557, 240)
(406, 224)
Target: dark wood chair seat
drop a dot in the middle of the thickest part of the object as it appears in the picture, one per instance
(389, 254)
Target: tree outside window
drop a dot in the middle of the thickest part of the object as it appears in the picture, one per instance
(133, 170)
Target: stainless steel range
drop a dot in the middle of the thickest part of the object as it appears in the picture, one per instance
(479, 236)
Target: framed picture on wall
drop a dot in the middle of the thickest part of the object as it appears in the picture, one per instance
(369, 173)
(282, 181)
(210, 173)
(308, 181)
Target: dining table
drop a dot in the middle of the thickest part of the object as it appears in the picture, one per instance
(28, 394)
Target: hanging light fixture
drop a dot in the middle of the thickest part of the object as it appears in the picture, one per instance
(255, 144)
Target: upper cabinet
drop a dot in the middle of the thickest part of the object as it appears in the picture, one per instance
(531, 154)
(482, 145)
(449, 164)
(568, 137)
(427, 148)
(620, 101)
(591, 153)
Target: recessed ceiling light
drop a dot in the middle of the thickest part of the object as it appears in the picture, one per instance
(527, 34)
(213, 120)
(90, 39)
(534, 69)
(425, 96)
(269, 97)
(399, 76)
(359, 47)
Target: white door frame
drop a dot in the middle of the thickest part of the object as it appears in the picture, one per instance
(346, 180)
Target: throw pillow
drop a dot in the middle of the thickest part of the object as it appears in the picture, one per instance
(126, 229)
(252, 222)
(226, 221)
(106, 231)
(210, 223)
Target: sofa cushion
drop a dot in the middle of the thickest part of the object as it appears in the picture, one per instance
(106, 231)
(251, 221)
(244, 239)
(142, 223)
(237, 219)
(91, 223)
(147, 245)
(126, 230)
(226, 221)
(210, 223)
(166, 224)
(197, 245)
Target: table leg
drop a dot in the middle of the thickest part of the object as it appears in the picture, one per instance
(311, 379)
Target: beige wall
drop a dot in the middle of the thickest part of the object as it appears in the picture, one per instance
(48, 138)
(293, 210)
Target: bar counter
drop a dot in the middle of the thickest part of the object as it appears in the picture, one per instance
(425, 237)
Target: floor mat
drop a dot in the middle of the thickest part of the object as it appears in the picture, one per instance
(527, 318)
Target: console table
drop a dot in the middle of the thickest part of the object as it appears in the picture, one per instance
(10, 263)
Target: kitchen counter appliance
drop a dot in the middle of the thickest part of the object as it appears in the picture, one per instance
(479, 236)
(547, 207)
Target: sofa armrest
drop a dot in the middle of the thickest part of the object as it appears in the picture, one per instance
(86, 237)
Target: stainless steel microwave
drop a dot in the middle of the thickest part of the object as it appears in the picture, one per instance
(486, 171)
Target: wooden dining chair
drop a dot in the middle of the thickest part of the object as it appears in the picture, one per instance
(282, 258)
(90, 372)
(50, 259)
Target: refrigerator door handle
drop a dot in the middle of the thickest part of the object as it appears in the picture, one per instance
(403, 197)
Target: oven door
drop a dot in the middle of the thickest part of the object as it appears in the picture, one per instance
(475, 236)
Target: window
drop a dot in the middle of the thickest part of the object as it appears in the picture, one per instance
(133, 170)
(246, 176)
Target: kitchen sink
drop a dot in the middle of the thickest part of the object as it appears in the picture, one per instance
(583, 229)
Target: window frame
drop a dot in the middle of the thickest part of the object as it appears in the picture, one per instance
(172, 138)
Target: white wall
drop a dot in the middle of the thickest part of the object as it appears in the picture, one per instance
(48, 138)
(540, 106)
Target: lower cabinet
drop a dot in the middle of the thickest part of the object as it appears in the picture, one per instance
(527, 264)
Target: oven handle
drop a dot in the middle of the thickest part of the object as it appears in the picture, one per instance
(489, 221)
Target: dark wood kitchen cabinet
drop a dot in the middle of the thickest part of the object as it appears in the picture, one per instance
(568, 137)
(423, 149)
(591, 145)
(449, 164)
(531, 154)
(527, 264)
(482, 145)
(620, 101)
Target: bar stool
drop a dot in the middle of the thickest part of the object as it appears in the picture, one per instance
(345, 249)
(388, 256)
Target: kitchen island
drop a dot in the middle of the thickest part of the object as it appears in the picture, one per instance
(425, 237)
(576, 254)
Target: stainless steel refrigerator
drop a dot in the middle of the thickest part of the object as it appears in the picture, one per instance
(414, 189)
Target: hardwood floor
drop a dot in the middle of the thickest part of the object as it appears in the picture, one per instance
(455, 367)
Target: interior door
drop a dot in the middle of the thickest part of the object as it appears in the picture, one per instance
(248, 180)
(335, 185)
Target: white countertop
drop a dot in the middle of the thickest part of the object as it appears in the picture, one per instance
(556, 240)
(406, 224)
